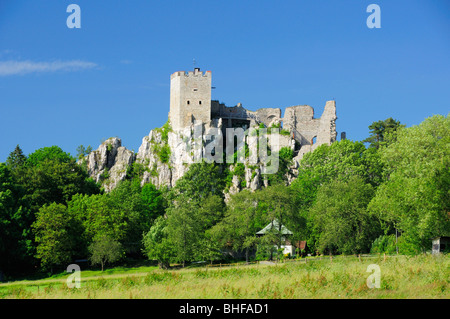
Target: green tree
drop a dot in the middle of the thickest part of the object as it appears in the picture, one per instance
(277, 202)
(105, 250)
(83, 151)
(183, 228)
(99, 217)
(16, 159)
(241, 222)
(341, 218)
(124, 214)
(16, 253)
(51, 175)
(415, 199)
(210, 211)
(154, 200)
(194, 205)
(55, 238)
(384, 244)
(49, 153)
(200, 181)
(157, 245)
(134, 216)
(342, 160)
(304, 190)
(285, 156)
(54, 181)
(48, 176)
(209, 249)
(380, 130)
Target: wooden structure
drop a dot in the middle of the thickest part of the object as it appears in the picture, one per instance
(276, 227)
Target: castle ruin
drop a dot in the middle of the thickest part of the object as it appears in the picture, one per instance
(190, 101)
(165, 158)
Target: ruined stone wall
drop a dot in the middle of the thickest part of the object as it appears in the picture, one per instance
(311, 132)
(268, 116)
(190, 100)
(300, 118)
(327, 128)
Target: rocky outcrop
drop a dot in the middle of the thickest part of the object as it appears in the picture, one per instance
(165, 156)
(154, 154)
(109, 163)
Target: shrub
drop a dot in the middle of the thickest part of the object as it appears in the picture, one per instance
(384, 244)
(286, 154)
(164, 153)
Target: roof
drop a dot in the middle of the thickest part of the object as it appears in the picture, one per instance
(276, 225)
(441, 237)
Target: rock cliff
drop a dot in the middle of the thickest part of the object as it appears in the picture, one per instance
(164, 157)
(109, 163)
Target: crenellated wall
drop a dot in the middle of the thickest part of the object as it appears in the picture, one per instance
(190, 98)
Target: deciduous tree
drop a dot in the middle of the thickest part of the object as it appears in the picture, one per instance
(340, 216)
(55, 236)
(104, 250)
(157, 245)
(415, 198)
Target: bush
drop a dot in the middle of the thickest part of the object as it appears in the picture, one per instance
(384, 244)
(264, 251)
(164, 153)
(286, 154)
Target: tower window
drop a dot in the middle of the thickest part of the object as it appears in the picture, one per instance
(200, 102)
(188, 102)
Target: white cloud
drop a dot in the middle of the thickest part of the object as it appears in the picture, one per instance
(12, 67)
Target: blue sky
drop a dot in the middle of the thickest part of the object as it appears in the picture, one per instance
(66, 87)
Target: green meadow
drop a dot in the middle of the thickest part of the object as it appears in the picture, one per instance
(343, 277)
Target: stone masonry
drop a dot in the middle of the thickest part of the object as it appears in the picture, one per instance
(190, 101)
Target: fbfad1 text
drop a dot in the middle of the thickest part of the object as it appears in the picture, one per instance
(243, 308)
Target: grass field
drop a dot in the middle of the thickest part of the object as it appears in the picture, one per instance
(402, 277)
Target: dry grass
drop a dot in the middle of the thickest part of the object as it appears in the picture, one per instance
(401, 277)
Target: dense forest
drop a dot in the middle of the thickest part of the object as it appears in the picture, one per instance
(389, 192)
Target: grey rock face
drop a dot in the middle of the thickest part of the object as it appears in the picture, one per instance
(109, 163)
(165, 156)
(156, 172)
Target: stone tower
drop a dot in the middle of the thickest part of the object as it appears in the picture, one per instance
(190, 98)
